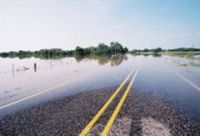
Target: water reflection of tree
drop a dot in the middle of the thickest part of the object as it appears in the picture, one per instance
(114, 60)
(156, 55)
(117, 60)
(79, 58)
(102, 60)
(148, 54)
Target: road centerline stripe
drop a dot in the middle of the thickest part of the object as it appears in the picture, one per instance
(86, 130)
(118, 108)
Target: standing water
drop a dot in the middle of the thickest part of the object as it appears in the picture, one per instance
(26, 82)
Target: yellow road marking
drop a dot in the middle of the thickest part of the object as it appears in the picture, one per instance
(101, 111)
(117, 109)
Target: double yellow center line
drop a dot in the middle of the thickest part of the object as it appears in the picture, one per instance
(86, 130)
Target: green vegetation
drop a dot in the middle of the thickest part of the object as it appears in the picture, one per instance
(190, 52)
(184, 50)
(52, 53)
(146, 52)
(44, 53)
(101, 49)
(114, 48)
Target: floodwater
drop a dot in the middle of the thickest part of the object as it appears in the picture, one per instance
(174, 79)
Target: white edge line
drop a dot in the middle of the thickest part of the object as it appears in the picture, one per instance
(39, 93)
(185, 79)
(36, 94)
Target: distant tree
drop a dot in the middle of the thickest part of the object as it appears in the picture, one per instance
(12, 54)
(24, 54)
(4, 54)
(185, 49)
(125, 50)
(156, 50)
(68, 53)
(79, 51)
(103, 49)
(116, 47)
(146, 50)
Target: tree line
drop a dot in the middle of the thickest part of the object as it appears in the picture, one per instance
(159, 50)
(101, 49)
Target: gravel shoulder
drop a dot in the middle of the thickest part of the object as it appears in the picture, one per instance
(142, 114)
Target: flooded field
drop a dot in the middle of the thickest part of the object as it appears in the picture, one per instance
(26, 82)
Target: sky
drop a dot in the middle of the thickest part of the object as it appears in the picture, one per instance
(136, 24)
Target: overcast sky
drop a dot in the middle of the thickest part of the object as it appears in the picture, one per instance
(36, 24)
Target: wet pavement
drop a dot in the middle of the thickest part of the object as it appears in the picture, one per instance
(160, 102)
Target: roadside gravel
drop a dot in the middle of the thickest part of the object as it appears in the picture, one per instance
(67, 116)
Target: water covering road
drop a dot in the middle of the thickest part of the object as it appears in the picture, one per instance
(59, 78)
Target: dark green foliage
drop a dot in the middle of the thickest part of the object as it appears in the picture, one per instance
(20, 54)
(146, 50)
(44, 53)
(52, 53)
(4, 54)
(101, 49)
(24, 54)
(116, 48)
(156, 50)
(185, 49)
(125, 50)
(79, 51)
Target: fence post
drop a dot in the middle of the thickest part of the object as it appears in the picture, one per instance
(35, 67)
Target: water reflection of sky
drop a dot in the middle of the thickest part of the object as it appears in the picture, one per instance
(157, 78)
(92, 73)
(19, 82)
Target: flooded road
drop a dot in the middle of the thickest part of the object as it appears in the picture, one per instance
(22, 85)
(161, 77)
